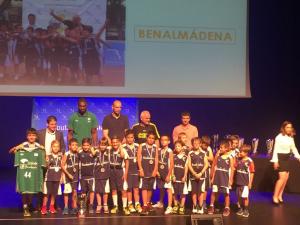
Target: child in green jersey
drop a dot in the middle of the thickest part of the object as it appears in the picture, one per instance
(29, 160)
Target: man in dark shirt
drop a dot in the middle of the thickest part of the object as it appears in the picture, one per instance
(144, 127)
(115, 124)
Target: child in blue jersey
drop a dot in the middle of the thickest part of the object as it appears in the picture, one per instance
(118, 175)
(70, 166)
(234, 144)
(198, 165)
(179, 178)
(87, 159)
(165, 171)
(52, 177)
(222, 177)
(102, 174)
(205, 146)
(133, 173)
(147, 163)
(244, 174)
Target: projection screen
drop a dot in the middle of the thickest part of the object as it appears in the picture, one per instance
(131, 48)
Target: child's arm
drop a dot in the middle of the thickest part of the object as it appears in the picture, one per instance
(210, 156)
(124, 155)
(126, 169)
(171, 160)
(190, 166)
(139, 161)
(98, 34)
(14, 149)
(213, 168)
(205, 166)
(63, 167)
(186, 169)
(252, 171)
(155, 163)
(232, 169)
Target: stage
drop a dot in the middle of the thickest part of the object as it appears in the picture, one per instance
(261, 212)
(261, 209)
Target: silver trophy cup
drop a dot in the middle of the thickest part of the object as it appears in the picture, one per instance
(270, 144)
(241, 142)
(254, 144)
(215, 139)
(82, 200)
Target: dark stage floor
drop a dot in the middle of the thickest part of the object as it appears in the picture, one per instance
(262, 212)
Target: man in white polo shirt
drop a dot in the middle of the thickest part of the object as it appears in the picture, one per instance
(190, 130)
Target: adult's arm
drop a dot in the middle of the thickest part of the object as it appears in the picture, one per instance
(175, 134)
(62, 142)
(105, 130)
(196, 132)
(157, 136)
(70, 128)
(294, 150)
(58, 18)
(275, 152)
(94, 132)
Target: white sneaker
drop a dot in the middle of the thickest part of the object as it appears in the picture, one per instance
(194, 209)
(168, 210)
(158, 205)
(200, 210)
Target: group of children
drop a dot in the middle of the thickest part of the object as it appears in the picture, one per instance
(130, 168)
(47, 53)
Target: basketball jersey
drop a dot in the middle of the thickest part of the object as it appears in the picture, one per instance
(222, 172)
(243, 170)
(148, 159)
(132, 158)
(116, 161)
(72, 166)
(197, 162)
(86, 164)
(54, 168)
(29, 163)
(186, 149)
(163, 162)
(73, 49)
(89, 46)
(102, 167)
(180, 161)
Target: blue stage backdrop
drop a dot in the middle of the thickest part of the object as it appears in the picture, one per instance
(62, 108)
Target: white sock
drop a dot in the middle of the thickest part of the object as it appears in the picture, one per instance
(137, 203)
(129, 203)
(124, 201)
(115, 200)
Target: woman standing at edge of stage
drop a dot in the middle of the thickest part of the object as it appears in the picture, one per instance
(283, 148)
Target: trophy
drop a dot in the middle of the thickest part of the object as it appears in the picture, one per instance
(254, 144)
(269, 143)
(215, 139)
(241, 142)
(82, 200)
(227, 136)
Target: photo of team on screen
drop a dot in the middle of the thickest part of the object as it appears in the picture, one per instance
(66, 52)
